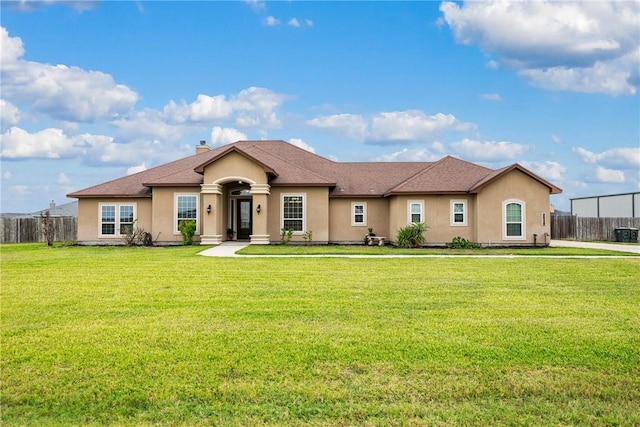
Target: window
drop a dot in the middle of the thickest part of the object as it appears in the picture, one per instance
(108, 220)
(513, 219)
(293, 212)
(415, 212)
(126, 219)
(116, 220)
(458, 212)
(186, 209)
(359, 214)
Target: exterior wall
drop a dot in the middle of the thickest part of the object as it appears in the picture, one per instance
(437, 215)
(514, 186)
(610, 206)
(316, 213)
(89, 219)
(341, 227)
(234, 165)
(164, 214)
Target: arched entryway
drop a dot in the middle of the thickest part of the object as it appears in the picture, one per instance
(240, 224)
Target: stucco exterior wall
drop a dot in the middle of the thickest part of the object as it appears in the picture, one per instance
(341, 227)
(516, 186)
(164, 214)
(89, 218)
(237, 166)
(316, 213)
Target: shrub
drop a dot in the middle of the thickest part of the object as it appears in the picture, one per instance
(285, 235)
(462, 243)
(187, 229)
(308, 237)
(412, 235)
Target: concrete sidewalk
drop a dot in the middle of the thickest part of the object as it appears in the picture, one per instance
(634, 248)
(229, 248)
(225, 249)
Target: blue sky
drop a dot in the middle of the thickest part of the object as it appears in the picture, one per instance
(92, 91)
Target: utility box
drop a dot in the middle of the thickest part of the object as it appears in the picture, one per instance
(627, 235)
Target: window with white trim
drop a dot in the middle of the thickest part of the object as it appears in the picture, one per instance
(293, 212)
(415, 209)
(459, 212)
(116, 220)
(359, 214)
(186, 210)
(513, 212)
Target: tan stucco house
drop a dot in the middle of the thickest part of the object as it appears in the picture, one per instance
(254, 189)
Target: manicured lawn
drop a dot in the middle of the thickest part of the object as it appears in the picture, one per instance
(139, 336)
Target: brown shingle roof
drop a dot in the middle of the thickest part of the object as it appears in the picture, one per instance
(287, 164)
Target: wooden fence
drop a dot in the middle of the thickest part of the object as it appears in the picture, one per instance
(588, 229)
(31, 230)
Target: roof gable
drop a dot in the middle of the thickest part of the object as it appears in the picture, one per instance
(494, 175)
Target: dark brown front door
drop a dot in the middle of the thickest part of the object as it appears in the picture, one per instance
(244, 219)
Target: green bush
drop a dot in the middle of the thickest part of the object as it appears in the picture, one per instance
(187, 229)
(462, 243)
(412, 235)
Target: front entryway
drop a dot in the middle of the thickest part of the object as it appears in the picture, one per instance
(244, 219)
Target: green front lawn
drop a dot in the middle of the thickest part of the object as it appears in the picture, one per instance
(141, 336)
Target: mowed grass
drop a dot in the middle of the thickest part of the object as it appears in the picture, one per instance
(140, 336)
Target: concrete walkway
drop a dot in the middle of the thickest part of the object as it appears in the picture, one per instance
(634, 248)
(229, 248)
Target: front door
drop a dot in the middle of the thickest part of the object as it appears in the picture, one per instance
(244, 219)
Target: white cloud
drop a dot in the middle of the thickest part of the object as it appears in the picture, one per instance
(609, 175)
(488, 150)
(7, 175)
(293, 22)
(422, 154)
(53, 143)
(256, 5)
(31, 5)
(204, 109)
(490, 97)
(301, 144)
(222, 136)
(271, 21)
(343, 125)
(556, 139)
(411, 126)
(9, 115)
(63, 179)
(549, 170)
(309, 22)
(150, 123)
(256, 107)
(136, 169)
(574, 46)
(62, 92)
(622, 157)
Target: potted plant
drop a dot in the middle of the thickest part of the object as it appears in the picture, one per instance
(371, 233)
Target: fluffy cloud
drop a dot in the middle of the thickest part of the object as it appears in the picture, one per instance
(94, 150)
(488, 150)
(422, 154)
(9, 115)
(411, 126)
(63, 179)
(204, 109)
(301, 144)
(576, 46)
(623, 157)
(343, 125)
(62, 92)
(490, 97)
(609, 175)
(49, 144)
(256, 107)
(136, 169)
(222, 136)
(31, 5)
(271, 21)
(549, 170)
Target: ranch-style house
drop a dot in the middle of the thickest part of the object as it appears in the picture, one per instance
(251, 190)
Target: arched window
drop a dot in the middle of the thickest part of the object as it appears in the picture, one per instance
(513, 215)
